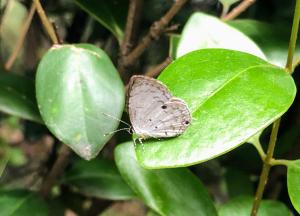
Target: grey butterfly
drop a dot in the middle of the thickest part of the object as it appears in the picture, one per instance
(153, 111)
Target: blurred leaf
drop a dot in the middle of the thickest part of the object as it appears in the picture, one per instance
(163, 190)
(98, 178)
(174, 40)
(111, 14)
(231, 95)
(242, 206)
(125, 208)
(17, 97)
(17, 157)
(205, 31)
(77, 87)
(226, 5)
(238, 183)
(22, 203)
(273, 39)
(293, 179)
(12, 21)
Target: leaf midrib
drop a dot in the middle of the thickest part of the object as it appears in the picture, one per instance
(221, 87)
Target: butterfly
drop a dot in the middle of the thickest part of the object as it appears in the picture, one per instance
(153, 111)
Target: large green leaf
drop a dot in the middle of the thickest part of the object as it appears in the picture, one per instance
(231, 95)
(205, 31)
(111, 14)
(17, 97)
(98, 178)
(242, 206)
(168, 191)
(293, 180)
(77, 87)
(274, 43)
(19, 202)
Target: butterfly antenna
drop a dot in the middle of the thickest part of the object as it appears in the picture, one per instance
(107, 134)
(116, 119)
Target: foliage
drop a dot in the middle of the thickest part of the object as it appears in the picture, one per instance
(230, 73)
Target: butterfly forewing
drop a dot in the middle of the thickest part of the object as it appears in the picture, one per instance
(152, 110)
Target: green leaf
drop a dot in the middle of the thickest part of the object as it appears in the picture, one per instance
(98, 178)
(242, 206)
(231, 95)
(111, 14)
(274, 43)
(173, 40)
(204, 31)
(20, 202)
(293, 179)
(164, 190)
(77, 88)
(17, 97)
(238, 183)
(12, 22)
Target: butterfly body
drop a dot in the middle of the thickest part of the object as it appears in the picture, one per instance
(153, 111)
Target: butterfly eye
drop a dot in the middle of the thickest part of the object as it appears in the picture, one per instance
(186, 122)
(164, 107)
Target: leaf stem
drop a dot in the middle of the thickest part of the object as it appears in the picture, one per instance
(266, 168)
(269, 161)
(46, 23)
(56, 170)
(260, 150)
(293, 38)
(21, 39)
(280, 162)
(238, 10)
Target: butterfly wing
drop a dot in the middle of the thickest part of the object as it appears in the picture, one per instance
(145, 95)
(170, 120)
(152, 110)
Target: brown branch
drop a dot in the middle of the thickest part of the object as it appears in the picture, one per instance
(46, 23)
(155, 71)
(156, 29)
(21, 39)
(238, 10)
(56, 171)
(132, 22)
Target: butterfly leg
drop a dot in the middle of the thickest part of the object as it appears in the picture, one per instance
(140, 141)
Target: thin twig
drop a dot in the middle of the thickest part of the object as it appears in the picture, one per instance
(269, 157)
(155, 71)
(21, 38)
(156, 29)
(46, 23)
(238, 10)
(56, 171)
(131, 25)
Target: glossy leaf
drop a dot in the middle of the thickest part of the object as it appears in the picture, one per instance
(17, 97)
(20, 202)
(204, 31)
(168, 191)
(274, 43)
(98, 178)
(77, 88)
(231, 95)
(242, 206)
(111, 14)
(293, 179)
